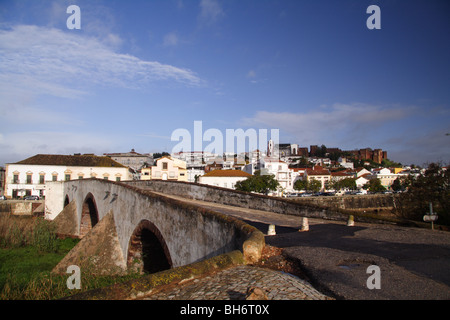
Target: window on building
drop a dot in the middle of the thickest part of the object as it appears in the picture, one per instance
(29, 180)
(67, 177)
(55, 177)
(164, 165)
(105, 178)
(80, 177)
(41, 179)
(16, 178)
(117, 179)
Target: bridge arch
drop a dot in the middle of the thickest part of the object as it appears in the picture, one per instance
(89, 215)
(66, 201)
(147, 249)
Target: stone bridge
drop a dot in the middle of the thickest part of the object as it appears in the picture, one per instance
(151, 226)
(124, 227)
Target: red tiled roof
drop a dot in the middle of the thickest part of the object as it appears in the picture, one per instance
(227, 173)
(317, 171)
(69, 160)
(340, 174)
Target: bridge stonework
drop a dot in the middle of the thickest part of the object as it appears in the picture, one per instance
(117, 222)
(242, 199)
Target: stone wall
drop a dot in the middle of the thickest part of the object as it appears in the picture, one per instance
(241, 199)
(352, 202)
(22, 207)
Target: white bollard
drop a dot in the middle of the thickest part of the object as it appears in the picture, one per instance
(271, 231)
(351, 221)
(305, 224)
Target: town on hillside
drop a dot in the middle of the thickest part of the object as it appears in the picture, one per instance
(296, 170)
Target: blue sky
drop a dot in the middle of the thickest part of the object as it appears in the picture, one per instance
(138, 70)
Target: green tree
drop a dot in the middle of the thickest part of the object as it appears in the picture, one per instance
(347, 183)
(158, 155)
(314, 185)
(374, 185)
(432, 186)
(301, 185)
(397, 185)
(258, 183)
(388, 163)
(321, 152)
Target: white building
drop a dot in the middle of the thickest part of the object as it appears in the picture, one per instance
(166, 168)
(361, 172)
(361, 181)
(343, 163)
(131, 159)
(223, 178)
(280, 170)
(29, 176)
(320, 174)
(385, 175)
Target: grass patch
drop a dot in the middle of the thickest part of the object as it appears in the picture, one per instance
(29, 250)
(25, 271)
(25, 274)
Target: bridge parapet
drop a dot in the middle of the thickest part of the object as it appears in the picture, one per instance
(240, 199)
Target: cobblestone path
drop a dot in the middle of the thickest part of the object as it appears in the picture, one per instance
(232, 284)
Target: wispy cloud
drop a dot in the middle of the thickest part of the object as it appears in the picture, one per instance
(394, 128)
(324, 122)
(170, 39)
(339, 125)
(65, 61)
(41, 64)
(20, 145)
(210, 11)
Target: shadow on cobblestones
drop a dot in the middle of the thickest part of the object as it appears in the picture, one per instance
(235, 295)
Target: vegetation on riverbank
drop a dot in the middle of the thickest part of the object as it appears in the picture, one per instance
(29, 250)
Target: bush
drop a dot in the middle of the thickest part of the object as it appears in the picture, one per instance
(16, 232)
(44, 236)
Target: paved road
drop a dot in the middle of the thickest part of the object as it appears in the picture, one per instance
(413, 263)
